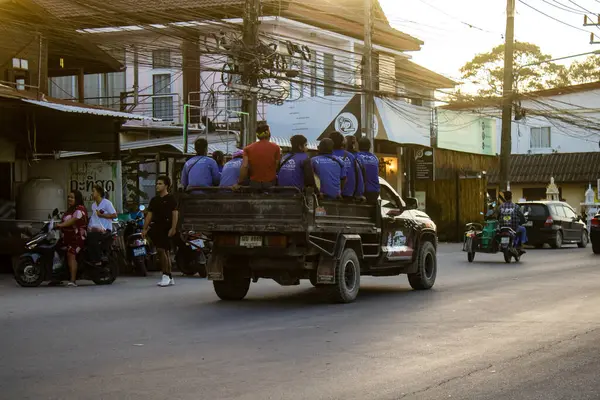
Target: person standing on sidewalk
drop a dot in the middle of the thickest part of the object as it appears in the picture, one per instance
(162, 211)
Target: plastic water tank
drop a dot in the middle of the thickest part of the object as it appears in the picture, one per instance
(590, 195)
(39, 197)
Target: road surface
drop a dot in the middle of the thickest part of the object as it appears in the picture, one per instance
(487, 330)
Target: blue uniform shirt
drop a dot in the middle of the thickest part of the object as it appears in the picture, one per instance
(355, 185)
(200, 171)
(370, 165)
(291, 172)
(330, 170)
(231, 172)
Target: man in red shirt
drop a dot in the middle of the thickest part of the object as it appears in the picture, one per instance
(261, 160)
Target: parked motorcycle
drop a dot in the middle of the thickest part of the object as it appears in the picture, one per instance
(44, 259)
(138, 250)
(193, 250)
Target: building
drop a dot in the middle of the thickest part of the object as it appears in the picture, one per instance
(556, 135)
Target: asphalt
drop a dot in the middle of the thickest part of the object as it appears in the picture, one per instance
(488, 330)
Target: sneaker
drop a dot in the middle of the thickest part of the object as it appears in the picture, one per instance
(165, 281)
(71, 284)
(171, 282)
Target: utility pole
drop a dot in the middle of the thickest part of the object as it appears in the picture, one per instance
(507, 96)
(368, 99)
(249, 68)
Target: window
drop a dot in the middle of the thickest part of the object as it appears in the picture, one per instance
(540, 138)
(558, 211)
(388, 200)
(328, 74)
(162, 101)
(569, 212)
(161, 59)
(535, 211)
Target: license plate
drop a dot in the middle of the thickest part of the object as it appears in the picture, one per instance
(198, 243)
(251, 241)
(528, 223)
(505, 240)
(140, 251)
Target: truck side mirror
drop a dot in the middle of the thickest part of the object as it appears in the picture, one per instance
(412, 203)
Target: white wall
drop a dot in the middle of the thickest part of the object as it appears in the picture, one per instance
(565, 137)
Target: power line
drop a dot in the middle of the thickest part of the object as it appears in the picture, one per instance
(553, 18)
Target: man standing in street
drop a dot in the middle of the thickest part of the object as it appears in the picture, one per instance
(162, 212)
(200, 170)
(260, 161)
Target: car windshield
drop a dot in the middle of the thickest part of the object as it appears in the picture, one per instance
(534, 210)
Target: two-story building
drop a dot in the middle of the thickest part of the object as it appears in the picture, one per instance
(555, 134)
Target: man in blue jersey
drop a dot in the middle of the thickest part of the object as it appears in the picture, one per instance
(369, 164)
(295, 168)
(355, 186)
(231, 170)
(200, 170)
(330, 170)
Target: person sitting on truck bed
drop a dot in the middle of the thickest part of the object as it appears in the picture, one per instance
(370, 167)
(260, 161)
(330, 170)
(295, 168)
(231, 170)
(200, 170)
(355, 186)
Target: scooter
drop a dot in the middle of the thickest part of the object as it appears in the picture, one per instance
(138, 252)
(44, 259)
(193, 251)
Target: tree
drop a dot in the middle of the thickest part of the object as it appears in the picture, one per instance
(487, 70)
(585, 71)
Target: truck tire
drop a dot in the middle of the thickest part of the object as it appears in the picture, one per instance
(347, 279)
(426, 273)
(234, 288)
(596, 246)
(584, 240)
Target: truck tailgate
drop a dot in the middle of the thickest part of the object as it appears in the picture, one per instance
(248, 212)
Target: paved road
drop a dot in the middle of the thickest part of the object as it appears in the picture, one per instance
(487, 331)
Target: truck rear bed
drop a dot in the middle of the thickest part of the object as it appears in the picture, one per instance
(279, 211)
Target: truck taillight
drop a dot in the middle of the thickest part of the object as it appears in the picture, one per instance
(276, 241)
(226, 240)
(549, 222)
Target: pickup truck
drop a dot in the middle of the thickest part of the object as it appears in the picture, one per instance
(286, 235)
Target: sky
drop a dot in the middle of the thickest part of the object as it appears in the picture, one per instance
(449, 41)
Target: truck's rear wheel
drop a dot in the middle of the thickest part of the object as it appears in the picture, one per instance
(426, 273)
(347, 278)
(233, 288)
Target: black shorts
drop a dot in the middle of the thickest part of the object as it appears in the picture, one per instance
(160, 238)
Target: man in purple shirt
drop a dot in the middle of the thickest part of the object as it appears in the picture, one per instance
(330, 170)
(200, 170)
(295, 168)
(355, 186)
(369, 164)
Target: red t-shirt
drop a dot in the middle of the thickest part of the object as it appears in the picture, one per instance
(263, 158)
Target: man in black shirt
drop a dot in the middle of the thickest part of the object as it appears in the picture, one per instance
(163, 212)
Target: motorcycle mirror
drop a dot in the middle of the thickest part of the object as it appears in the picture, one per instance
(55, 212)
(142, 207)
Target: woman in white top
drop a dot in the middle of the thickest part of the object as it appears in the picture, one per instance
(103, 213)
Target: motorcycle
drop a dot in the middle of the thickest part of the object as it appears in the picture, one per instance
(138, 250)
(492, 239)
(44, 260)
(193, 250)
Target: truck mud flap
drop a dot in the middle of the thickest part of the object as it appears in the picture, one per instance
(214, 268)
(326, 271)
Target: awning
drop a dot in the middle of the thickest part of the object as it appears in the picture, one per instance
(101, 112)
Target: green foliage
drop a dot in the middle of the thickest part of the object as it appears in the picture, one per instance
(487, 70)
(585, 71)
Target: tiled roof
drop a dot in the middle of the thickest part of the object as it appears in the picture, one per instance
(72, 8)
(563, 167)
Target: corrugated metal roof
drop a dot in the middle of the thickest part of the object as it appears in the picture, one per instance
(563, 167)
(285, 142)
(87, 110)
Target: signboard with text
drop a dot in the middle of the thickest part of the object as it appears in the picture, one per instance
(424, 164)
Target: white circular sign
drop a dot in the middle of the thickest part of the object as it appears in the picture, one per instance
(346, 124)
